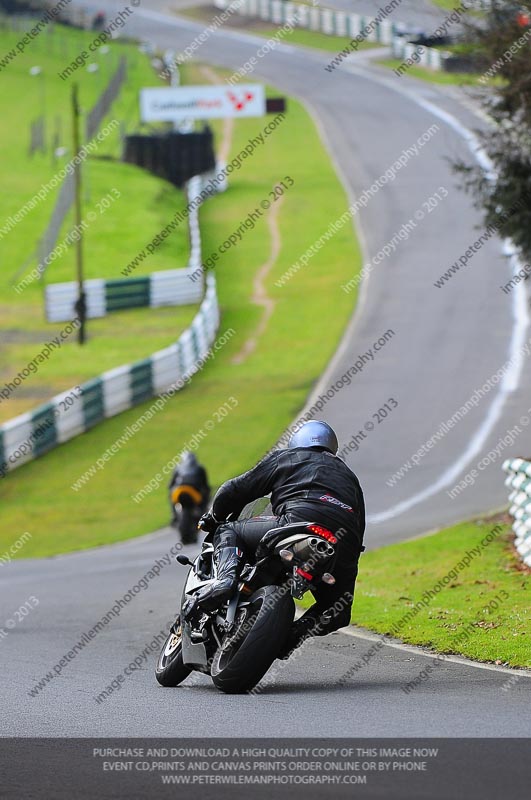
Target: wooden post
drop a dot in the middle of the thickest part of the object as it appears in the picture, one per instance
(81, 300)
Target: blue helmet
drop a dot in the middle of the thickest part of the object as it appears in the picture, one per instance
(315, 434)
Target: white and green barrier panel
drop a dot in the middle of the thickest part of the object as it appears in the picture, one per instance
(172, 287)
(168, 288)
(324, 20)
(77, 410)
(423, 56)
(519, 482)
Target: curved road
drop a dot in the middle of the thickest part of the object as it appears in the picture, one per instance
(317, 693)
(447, 342)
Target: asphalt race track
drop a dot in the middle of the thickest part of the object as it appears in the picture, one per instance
(318, 693)
(446, 343)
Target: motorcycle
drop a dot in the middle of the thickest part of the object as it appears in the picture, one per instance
(236, 644)
(187, 504)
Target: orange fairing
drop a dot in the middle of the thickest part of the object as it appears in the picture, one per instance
(191, 491)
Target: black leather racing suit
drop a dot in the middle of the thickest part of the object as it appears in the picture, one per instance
(305, 485)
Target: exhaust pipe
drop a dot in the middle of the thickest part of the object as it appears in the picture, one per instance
(313, 546)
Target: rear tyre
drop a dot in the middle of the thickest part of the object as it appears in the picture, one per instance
(188, 526)
(170, 669)
(246, 655)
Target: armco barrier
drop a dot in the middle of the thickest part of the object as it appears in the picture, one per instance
(519, 481)
(32, 434)
(172, 287)
(423, 56)
(324, 20)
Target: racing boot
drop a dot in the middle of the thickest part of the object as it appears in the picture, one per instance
(305, 628)
(228, 560)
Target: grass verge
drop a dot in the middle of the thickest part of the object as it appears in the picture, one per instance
(480, 606)
(124, 207)
(308, 319)
(452, 5)
(431, 75)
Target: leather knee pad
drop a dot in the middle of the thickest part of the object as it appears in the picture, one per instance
(225, 537)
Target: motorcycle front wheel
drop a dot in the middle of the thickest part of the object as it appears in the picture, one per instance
(262, 628)
(170, 669)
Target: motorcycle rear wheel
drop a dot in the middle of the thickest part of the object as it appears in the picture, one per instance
(244, 658)
(188, 526)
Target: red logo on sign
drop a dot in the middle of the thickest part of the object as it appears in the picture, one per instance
(239, 104)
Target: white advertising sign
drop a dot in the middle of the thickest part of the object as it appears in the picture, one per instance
(202, 102)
